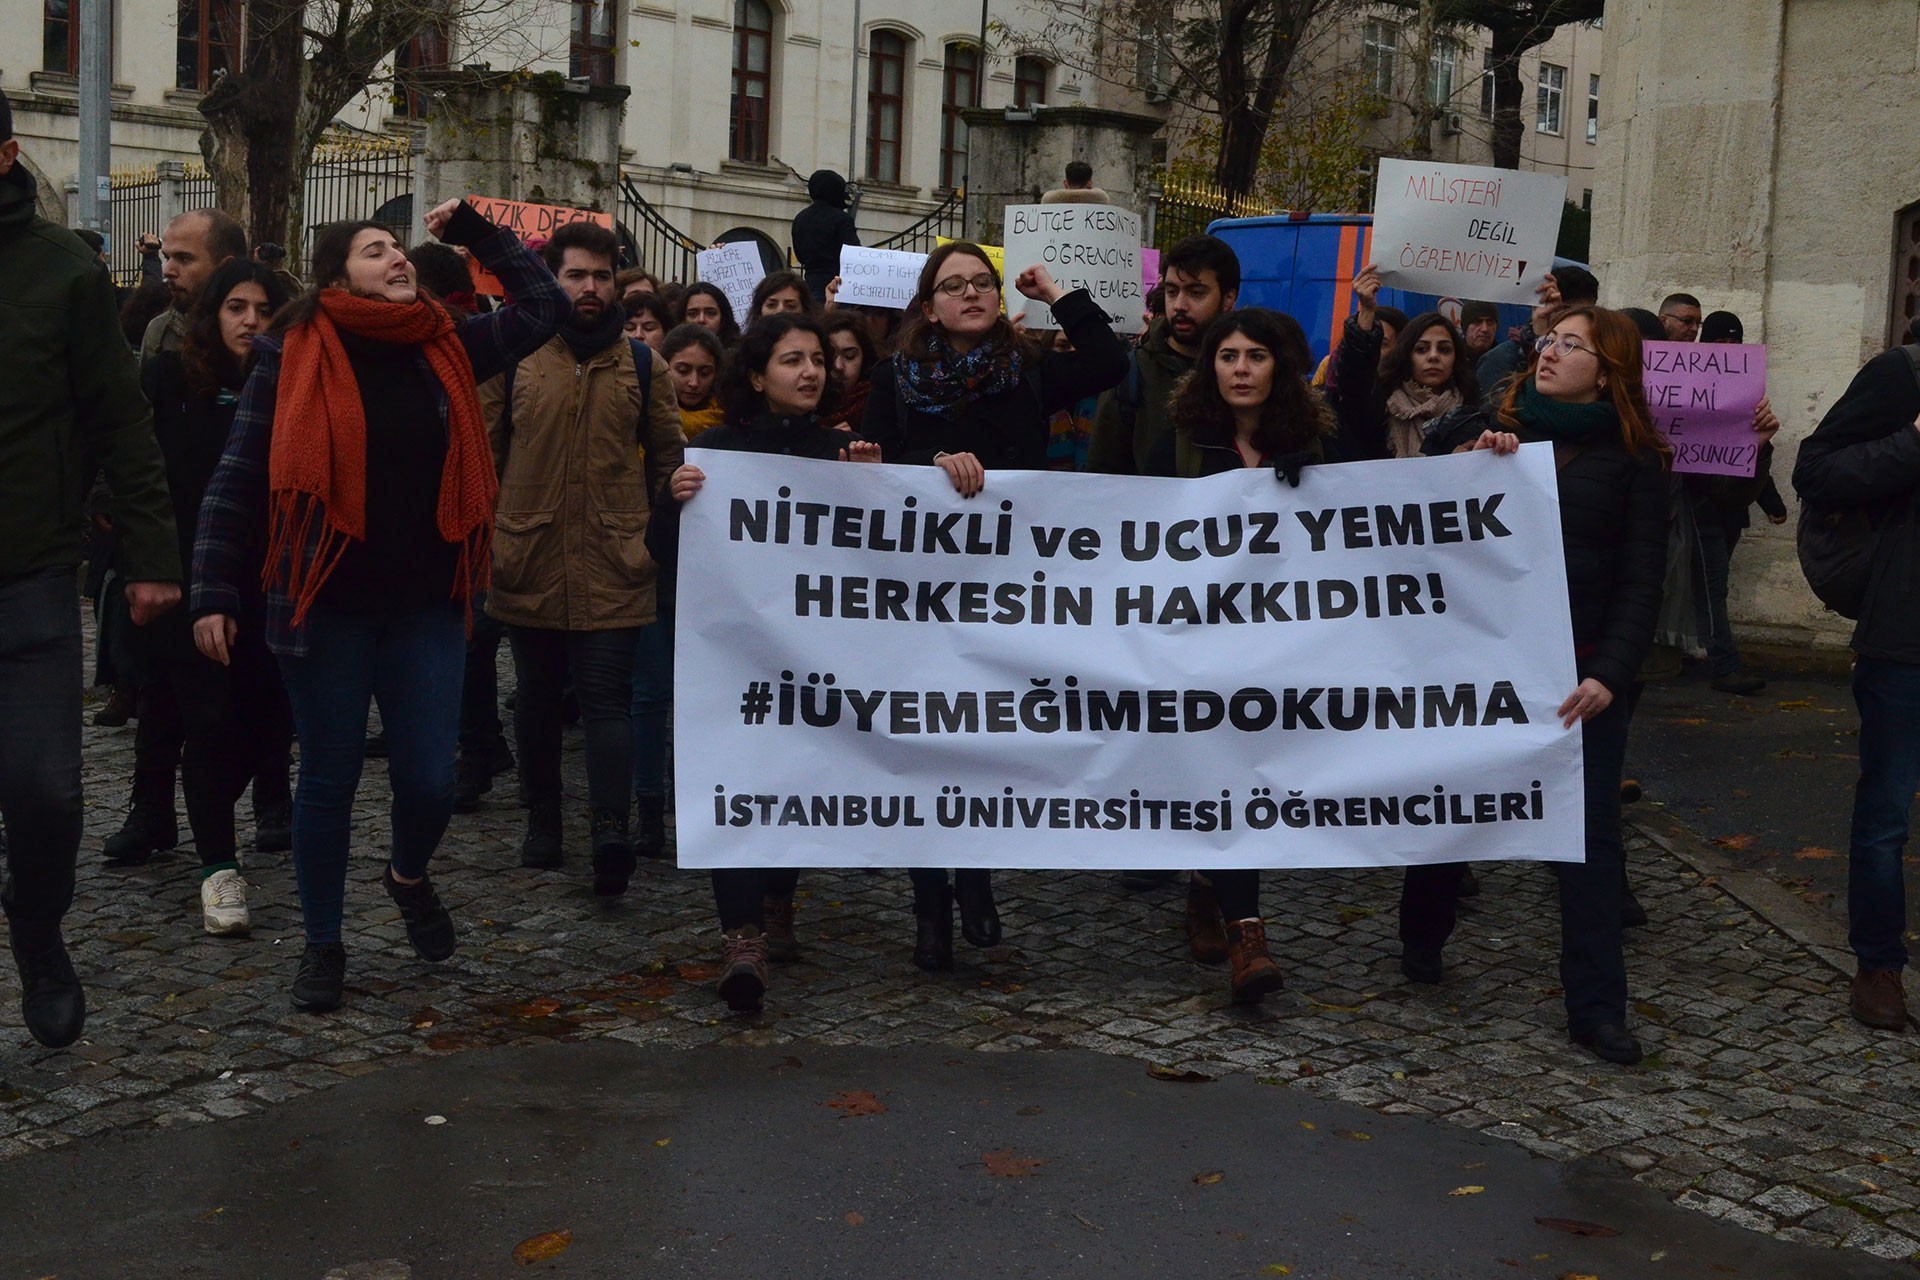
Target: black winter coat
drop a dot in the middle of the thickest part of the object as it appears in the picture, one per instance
(794, 437)
(1008, 430)
(1359, 397)
(1866, 453)
(1613, 532)
(192, 432)
(818, 232)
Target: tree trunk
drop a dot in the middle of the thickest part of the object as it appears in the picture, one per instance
(1420, 139)
(251, 142)
(1509, 124)
(1249, 92)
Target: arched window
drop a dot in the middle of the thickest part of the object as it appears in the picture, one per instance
(886, 104)
(1029, 82)
(752, 81)
(959, 83)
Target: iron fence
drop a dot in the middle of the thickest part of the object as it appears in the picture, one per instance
(1184, 208)
(946, 222)
(650, 241)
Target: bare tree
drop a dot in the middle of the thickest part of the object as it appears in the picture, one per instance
(1228, 59)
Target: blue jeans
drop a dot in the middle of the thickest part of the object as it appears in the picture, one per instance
(411, 664)
(1888, 694)
(652, 701)
(1717, 541)
(40, 741)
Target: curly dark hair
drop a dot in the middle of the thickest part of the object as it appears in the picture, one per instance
(729, 326)
(203, 354)
(743, 401)
(1397, 369)
(853, 322)
(1294, 414)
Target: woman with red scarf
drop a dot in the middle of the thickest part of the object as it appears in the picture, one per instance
(358, 483)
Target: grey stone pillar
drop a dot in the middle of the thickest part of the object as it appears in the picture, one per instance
(1014, 155)
(543, 139)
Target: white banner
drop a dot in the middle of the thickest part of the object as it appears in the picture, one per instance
(878, 277)
(1095, 247)
(1466, 231)
(1105, 671)
(738, 270)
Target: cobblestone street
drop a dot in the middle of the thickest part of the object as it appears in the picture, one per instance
(1761, 1103)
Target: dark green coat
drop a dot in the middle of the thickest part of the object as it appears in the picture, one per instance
(70, 398)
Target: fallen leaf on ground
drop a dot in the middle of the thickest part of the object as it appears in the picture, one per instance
(1877, 1158)
(1356, 1136)
(1814, 853)
(1686, 720)
(1176, 1076)
(1028, 1111)
(1575, 1227)
(661, 1142)
(855, 1102)
(1207, 1179)
(427, 1018)
(1794, 703)
(1306, 1069)
(690, 972)
(854, 1219)
(548, 1244)
(1005, 1164)
(1469, 1190)
(1276, 1269)
(1308, 1124)
(1742, 841)
(544, 1007)
(1576, 1275)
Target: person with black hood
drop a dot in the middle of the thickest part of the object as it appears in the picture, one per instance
(776, 387)
(968, 393)
(821, 228)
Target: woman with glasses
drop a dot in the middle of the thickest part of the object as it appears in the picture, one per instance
(968, 393)
(1384, 402)
(1584, 397)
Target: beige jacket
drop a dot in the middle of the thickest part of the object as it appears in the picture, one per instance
(578, 469)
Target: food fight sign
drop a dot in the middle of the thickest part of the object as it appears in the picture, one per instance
(1105, 671)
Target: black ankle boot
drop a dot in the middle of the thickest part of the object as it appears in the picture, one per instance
(979, 918)
(650, 839)
(52, 1002)
(933, 914)
(471, 780)
(541, 847)
(613, 859)
(150, 827)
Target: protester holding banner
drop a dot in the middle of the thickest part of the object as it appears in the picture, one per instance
(854, 359)
(706, 305)
(782, 291)
(777, 384)
(969, 394)
(359, 458)
(1247, 404)
(1585, 396)
(1384, 401)
(693, 357)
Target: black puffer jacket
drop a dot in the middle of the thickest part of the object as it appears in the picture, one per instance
(1613, 531)
(821, 228)
(801, 437)
(1866, 454)
(1008, 430)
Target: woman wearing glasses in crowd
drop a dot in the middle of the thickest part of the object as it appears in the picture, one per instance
(1584, 397)
(967, 393)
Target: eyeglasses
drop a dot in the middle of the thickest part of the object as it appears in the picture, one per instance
(954, 286)
(1566, 346)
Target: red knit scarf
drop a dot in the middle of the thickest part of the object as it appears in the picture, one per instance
(317, 464)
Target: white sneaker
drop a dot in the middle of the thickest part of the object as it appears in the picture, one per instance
(223, 904)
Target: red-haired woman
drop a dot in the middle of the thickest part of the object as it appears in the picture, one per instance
(359, 459)
(1584, 397)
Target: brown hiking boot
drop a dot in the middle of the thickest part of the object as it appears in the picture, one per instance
(1254, 972)
(782, 946)
(1879, 1000)
(1206, 931)
(743, 969)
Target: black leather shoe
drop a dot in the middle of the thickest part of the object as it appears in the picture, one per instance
(613, 859)
(979, 918)
(1610, 1041)
(1632, 914)
(933, 945)
(150, 827)
(429, 927)
(323, 975)
(471, 780)
(273, 826)
(52, 1002)
(540, 849)
(1419, 964)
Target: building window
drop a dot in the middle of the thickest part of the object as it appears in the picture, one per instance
(427, 51)
(1593, 108)
(207, 43)
(1552, 100)
(1446, 61)
(60, 38)
(1378, 49)
(1586, 199)
(958, 85)
(1486, 85)
(1029, 82)
(1153, 62)
(886, 104)
(752, 80)
(590, 55)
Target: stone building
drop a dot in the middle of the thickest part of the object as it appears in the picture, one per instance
(1757, 155)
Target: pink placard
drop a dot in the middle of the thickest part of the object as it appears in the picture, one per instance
(1149, 269)
(1703, 395)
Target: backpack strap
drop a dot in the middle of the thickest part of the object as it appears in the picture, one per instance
(643, 370)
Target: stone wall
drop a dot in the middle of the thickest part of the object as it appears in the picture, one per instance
(1014, 156)
(538, 138)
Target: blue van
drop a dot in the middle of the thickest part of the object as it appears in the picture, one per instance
(1304, 264)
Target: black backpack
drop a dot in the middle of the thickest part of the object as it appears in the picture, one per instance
(1837, 544)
